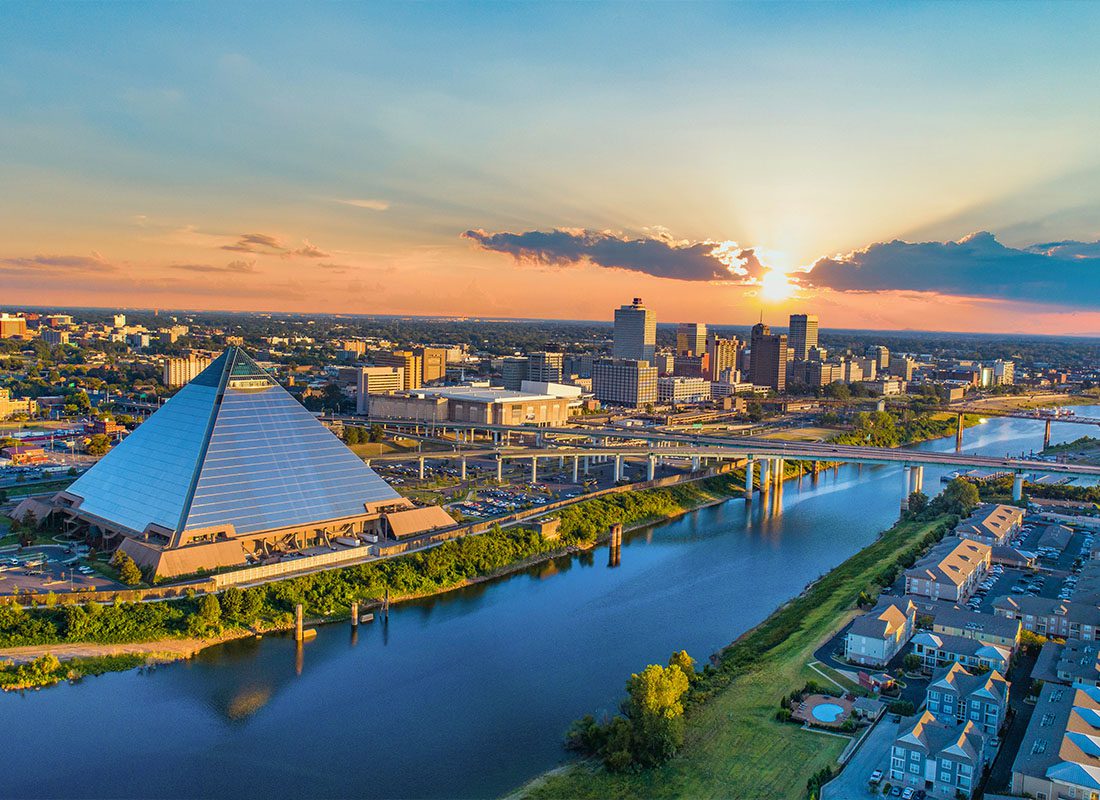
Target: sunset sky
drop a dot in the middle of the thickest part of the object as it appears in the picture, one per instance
(907, 166)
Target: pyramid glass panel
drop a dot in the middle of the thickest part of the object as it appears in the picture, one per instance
(231, 448)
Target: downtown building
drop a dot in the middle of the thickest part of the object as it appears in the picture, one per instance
(624, 382)
(230, 471)
(180, 371)
(635, 335)
(768, 359)
(802, 336)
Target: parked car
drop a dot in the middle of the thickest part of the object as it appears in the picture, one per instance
(876, 777)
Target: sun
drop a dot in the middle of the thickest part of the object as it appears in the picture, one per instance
(775, 286)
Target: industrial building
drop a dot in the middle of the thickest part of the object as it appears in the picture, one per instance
(231, 471)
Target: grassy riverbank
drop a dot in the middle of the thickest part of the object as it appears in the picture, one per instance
(328, 595)
(47, 670)
(734, 747)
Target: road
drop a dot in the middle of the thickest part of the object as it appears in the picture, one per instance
(851, 783)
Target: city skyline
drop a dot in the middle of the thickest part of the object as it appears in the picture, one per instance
(532, 163)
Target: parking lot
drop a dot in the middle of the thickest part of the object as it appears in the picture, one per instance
(48, 568)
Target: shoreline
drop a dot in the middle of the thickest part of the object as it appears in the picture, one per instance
(172, 650)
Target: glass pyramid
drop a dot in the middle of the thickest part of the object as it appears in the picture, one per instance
(232, 447)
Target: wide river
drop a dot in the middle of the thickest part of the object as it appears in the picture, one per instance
(465, 695)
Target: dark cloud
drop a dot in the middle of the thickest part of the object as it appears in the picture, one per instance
(232, 268)
(254, 243)
(659, 255)
(56, 263)
(1061, 273)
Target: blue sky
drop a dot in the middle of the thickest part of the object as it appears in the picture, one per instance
(151, 135)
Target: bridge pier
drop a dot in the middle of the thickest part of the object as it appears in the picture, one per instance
(500, 470)
(765, 475)
(1018, 485)
(918, 480)
(618, 468)
(462, 469)
(586, 465)
(750, 467)
(695, 463)
(421, 460)
(1046, 435)
(576, 469)
(959, 433)
(534, 469)
(779, 471)
(651, 467)
(907, 472)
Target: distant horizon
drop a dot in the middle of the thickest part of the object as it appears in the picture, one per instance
(516, 320)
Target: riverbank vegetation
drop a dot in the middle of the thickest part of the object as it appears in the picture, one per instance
(733, 745)
(48, 670)
(895, 429)
(329, 594)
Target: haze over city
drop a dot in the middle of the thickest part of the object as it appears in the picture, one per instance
(921, 166)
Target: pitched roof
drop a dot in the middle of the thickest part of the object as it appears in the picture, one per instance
(951, 561)
(231, 448)
(887, 617)
(991, 520)
(990, 685)
(924, 732)
(976, 625)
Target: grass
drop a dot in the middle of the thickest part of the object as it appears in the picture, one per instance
(734, 747)
(47, 671)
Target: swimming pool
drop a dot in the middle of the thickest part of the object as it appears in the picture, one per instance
(827, 712)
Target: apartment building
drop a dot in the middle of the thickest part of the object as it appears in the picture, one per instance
(950, 571)
(675, 389)
(880, 634)
(991, 524)
(986, 628)
(1059, 756)
(377, 381)
(956, 696)
(1051, 617)
(179, 371)
(943, 759)
(937, 650)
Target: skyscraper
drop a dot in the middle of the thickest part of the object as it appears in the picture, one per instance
(545, 367)
(768, 363)
(803, 335)
(722, 355)
(691, 339)
(635, 333)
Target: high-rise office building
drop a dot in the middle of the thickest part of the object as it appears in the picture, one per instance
(545, 367)
(881, 355)
(902, 367)
(180, 371)
(513, 372)
(691, 339)
(1004, 372)
(722, 354)
(624, 382)
(433, 363)
(405, 359)
(768, 363)
(803, 335)
(635, 333)
(119, 320)
(376, 380)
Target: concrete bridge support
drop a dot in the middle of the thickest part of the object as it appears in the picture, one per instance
(576, 469)
(959, 433)
(918, 480)
(586, 461)
(750, 467)
(765, 475)
(618, 468)
(462, 469)
(695, 463)
(1018, 485)
(779, 472)
(500, 470)
(421, 473)
(907, 472)
(651, 467)
(534, 469)
(1046, 436)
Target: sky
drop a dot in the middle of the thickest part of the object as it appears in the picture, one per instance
(894, 166)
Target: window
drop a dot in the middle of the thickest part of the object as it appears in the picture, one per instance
(914, 755)
(914, 768)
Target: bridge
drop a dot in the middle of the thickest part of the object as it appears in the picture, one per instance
(770, 454)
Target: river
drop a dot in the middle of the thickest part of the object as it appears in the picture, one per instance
(464, 695)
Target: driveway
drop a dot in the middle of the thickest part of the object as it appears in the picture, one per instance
(851, 784)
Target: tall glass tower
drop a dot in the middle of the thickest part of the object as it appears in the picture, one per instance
(635, 332)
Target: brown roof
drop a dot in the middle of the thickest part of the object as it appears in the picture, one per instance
(418, 520)
(952, 561)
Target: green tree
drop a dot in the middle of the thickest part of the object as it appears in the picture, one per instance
(232, 601)
(98, 444)
(128, 571)
(210, 611)
(918, 502)
(685, 662)
(960, 497)
(376, 433)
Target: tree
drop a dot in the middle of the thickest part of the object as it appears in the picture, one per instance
(252, 604)
(98, 444)
(911, 662)
(128, 571)
(376, 433)
(918, 502)
(960, 497)
(232, 601)
(685, 662)
(210, 611)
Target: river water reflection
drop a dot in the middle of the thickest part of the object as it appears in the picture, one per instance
(465, 695)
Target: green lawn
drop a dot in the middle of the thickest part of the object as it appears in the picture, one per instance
(734, 746)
